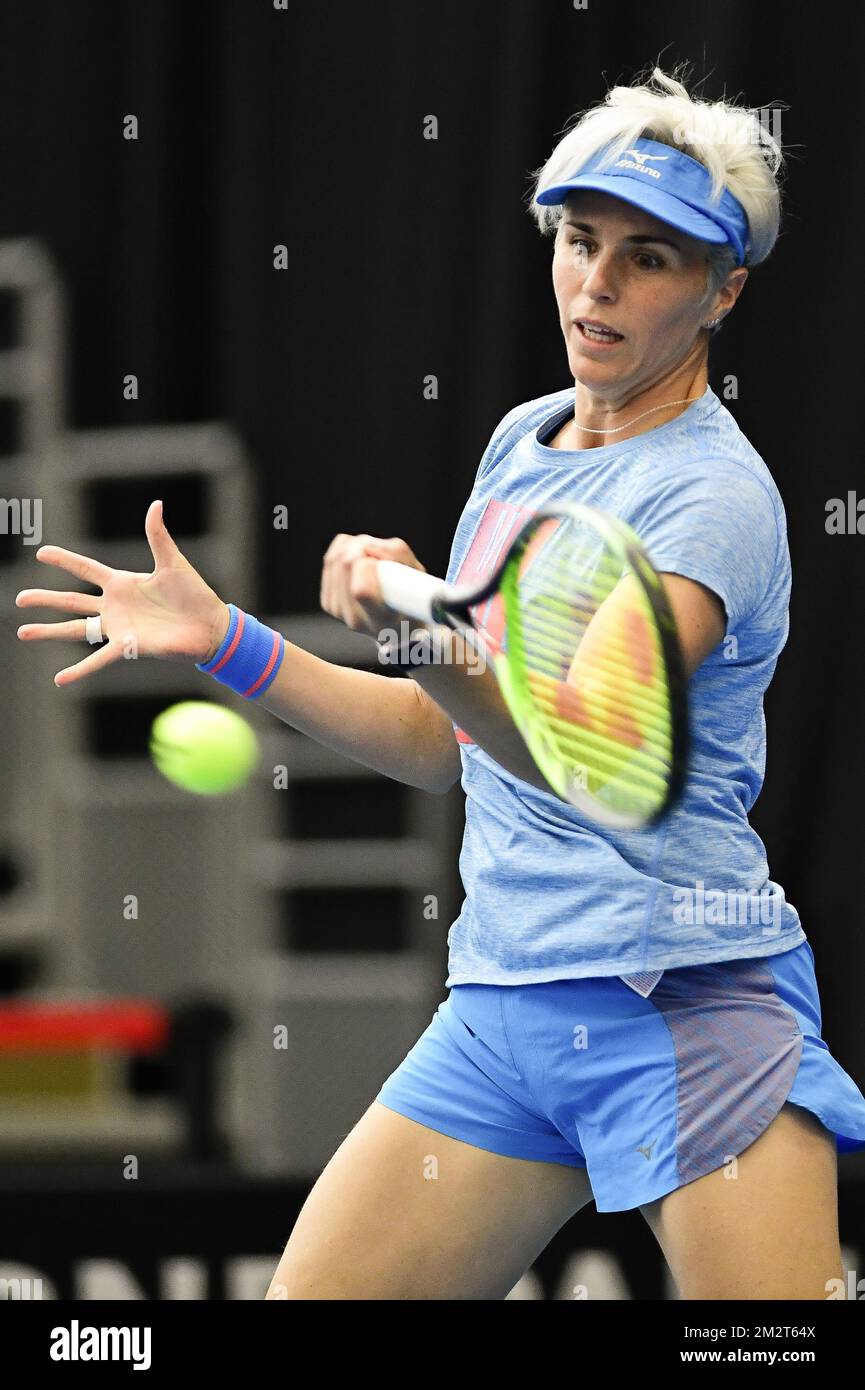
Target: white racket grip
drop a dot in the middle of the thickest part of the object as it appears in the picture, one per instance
(409, 590)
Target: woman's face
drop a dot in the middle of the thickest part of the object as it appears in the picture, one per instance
(619, 266)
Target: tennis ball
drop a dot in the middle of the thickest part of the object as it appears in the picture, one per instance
(203, 748)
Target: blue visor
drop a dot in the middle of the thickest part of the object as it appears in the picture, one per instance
(666, 183)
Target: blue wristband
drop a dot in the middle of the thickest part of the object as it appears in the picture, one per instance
(249, 657)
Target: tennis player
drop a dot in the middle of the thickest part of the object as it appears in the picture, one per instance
(632, 1016)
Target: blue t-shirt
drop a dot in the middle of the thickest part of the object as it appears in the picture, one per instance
(550, 894)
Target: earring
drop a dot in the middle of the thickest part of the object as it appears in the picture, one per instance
(713, 322)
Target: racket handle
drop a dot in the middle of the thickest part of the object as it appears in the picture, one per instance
(408, 590)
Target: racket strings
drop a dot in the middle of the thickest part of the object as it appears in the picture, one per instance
(587, 748)
(654, 743)
(601, 704)
(550, 651)
(571, 710)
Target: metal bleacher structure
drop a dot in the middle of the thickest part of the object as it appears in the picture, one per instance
(117, 884)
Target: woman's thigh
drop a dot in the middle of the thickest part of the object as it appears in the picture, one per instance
(404, 1212)
(764, 1227)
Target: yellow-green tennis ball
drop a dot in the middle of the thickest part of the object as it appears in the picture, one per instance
(203, 748)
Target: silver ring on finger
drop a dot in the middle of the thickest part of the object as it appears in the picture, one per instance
(93, 630)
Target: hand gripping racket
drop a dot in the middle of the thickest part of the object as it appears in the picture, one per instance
(589, 662)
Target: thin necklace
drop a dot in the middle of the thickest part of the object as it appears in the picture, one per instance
(618, 429)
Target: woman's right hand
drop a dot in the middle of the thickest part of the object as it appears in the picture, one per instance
(170, 613)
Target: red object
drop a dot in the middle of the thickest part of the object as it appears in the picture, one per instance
(69, 1026)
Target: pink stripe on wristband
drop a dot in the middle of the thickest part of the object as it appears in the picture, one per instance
(234, 645)
(250, 656)
(277, 647)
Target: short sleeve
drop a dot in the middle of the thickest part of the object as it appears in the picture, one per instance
(507, 432)
(716, 523)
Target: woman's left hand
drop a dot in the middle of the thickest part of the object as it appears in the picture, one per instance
(350, 589)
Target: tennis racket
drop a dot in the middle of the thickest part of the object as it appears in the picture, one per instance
(586, 653)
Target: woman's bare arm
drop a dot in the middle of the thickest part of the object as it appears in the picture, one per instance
(405, 729)
(384, 722)
(470, 694)
(474, 700)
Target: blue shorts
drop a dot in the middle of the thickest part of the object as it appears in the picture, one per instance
(646, 1094)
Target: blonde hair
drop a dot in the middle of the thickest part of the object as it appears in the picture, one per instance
(729, 140)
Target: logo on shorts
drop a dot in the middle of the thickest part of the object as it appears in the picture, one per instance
(646, 1150)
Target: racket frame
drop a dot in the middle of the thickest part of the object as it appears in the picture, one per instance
(449, 605)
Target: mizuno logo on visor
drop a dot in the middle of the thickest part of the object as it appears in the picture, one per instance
(640, 159)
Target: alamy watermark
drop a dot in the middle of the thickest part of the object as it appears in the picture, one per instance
(718, 907)
(86, 1343)
(845, 516)
(22, 516)
(437, 646)
(752, 125)
(20, 1290)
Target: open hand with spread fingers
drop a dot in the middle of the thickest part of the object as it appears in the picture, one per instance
(171, 613)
